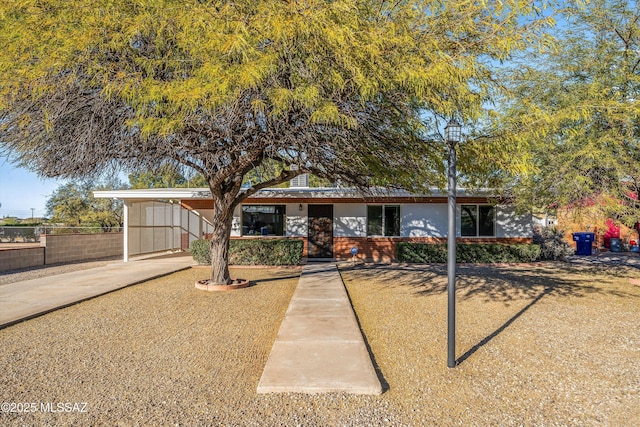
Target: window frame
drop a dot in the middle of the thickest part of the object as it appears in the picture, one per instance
(258, 234)
(477, 207)
(383, 224)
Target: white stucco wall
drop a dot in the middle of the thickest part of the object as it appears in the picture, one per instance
(350, 220)
(297, 221)
(510, 224)
(423, 220)
(236, 225)
(417, 220)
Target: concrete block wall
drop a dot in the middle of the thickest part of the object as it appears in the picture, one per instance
(13, 259)
(62, 248)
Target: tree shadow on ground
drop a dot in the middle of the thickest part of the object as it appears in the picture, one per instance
(501, 283)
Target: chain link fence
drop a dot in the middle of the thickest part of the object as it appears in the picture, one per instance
(17, 234)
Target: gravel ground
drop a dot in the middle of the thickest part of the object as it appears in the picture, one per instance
(544, 344)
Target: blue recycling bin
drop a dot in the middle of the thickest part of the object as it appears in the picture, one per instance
(584, 241)
(615, 245)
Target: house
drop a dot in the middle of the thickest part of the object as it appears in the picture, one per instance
(330, 221)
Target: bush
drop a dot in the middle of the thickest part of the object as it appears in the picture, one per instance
(467, 252)
(552, 244)
(201, 251)
(253, 252)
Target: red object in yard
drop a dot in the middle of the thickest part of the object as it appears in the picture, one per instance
(613, 232)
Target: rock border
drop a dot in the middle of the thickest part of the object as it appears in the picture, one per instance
(204, 285)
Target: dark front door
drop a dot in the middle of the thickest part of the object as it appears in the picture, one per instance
(320, 231)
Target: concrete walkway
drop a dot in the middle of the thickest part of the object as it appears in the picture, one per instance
(24, 300)
(319, 347)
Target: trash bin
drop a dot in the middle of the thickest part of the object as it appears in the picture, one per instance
(615, 245)
(583, 242)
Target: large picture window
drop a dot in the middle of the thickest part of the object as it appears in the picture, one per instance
(383, 220)
(477, 221)
(263, 220)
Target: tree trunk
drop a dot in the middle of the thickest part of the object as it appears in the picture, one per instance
(220, 238)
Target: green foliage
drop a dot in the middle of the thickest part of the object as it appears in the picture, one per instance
(73, 205)
(253, 252)
(201, 251)
(166, 176)
(266, 252)
(575, 112)
(553, 247)
(341, 89)
(467, 252)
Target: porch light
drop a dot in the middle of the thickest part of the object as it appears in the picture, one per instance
(453, 131)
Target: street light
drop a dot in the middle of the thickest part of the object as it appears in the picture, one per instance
(452, 132)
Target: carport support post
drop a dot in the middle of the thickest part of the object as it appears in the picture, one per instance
(125, 231)
(452, 133)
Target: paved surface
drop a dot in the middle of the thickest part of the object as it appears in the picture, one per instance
(24, 300)
(631, 259)
(319, 347)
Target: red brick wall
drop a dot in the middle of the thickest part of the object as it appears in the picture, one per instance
(382, 249)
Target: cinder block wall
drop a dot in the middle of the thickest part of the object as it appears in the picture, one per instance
(13, 259)
(81, 247)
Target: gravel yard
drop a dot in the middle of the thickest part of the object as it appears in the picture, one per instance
(544, 344)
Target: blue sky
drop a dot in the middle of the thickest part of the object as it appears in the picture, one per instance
(21, 190)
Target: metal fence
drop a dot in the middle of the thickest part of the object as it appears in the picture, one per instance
(17, 234)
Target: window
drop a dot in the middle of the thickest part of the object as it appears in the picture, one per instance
(383, 220)
(477, 221)
(263, 220)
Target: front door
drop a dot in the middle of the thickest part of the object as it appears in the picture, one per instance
(320, 231)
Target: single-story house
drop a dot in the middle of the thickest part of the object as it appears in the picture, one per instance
(330, 221)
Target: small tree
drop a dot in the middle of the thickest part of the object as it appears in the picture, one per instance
(338, 89)
(73, 204)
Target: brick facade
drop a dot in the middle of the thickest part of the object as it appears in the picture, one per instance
(383, 249)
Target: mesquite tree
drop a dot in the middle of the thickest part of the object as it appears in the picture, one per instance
(577, 109)
(339, 88)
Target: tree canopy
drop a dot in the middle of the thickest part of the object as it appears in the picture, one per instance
(73, 205)
(165, 176)
(344, 89)
(576, 111)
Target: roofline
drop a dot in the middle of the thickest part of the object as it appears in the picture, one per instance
(285, 193)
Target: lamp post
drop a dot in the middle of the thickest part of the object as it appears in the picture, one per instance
(452, 133)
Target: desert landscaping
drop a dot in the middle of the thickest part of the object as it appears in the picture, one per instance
(538, 344)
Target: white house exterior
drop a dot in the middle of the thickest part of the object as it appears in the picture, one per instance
(330, 221)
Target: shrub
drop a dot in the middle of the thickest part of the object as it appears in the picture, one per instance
(201, 251)
(253, 252)
(467, 252)
(552, 244)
